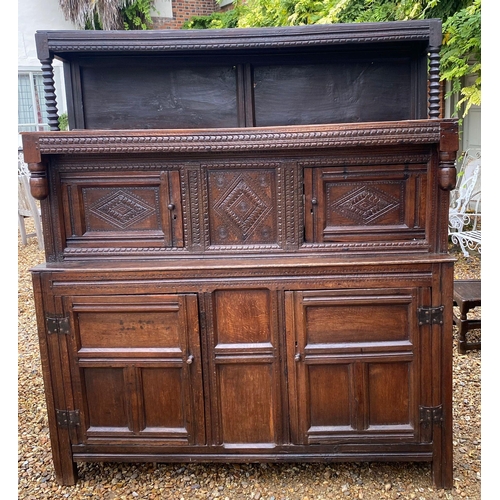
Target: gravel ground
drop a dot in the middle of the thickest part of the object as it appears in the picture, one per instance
(109, 481)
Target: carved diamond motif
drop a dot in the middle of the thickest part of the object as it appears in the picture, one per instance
(244, 207)
(365, 204)
(121, 209)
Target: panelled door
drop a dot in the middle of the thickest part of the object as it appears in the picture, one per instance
(245, 370)
(354, 365)
(370, 203)
(136, 368)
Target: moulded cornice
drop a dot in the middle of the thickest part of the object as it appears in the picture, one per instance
(238, 140)
(233, 38)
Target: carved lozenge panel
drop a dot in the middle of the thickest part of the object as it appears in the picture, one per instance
(117, 211)
(366, 204)
(111, 209)
(242, 207)
(349, 204)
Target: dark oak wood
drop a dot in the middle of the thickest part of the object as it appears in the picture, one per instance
(246, 247)
(247, 77)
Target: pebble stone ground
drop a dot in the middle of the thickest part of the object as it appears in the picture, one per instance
(131, 481)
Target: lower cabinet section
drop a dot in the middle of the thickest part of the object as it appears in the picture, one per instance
(355, 364)
(135, 366)
(246, 372)
(245, 367)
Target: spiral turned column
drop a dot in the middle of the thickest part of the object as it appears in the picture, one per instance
(50, 93)
(434, 85)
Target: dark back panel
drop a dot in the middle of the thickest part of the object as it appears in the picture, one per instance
(334, 92)
(148, 93)
(341, 85)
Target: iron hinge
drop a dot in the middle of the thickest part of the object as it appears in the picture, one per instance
(68, 418)
(430, 315)
(57, 324)
(431, 415)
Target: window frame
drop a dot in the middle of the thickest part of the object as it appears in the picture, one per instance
(35, 125)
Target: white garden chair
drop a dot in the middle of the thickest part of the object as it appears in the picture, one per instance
(26, 204)
(464, 226)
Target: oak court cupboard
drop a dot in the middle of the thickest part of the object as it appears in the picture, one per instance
(246, 246)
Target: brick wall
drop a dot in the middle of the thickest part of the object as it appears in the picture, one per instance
(183, 10)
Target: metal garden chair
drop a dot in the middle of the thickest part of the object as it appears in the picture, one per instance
(464, 226)
(26, 204)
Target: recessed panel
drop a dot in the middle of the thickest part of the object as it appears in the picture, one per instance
(365, 204)
(337, 92)
(389, 393)
(106, 398)
(242, 316)
(123, 212)
(155, 93)
(129, 329)
(163, 398)
(121, 208)
(242, 207)
(330, 403)
(348, 322)
(247, 403)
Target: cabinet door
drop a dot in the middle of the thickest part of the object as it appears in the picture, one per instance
(384, 205)
(245, 369)
(353, 359)
(122, 211)
(136, 368)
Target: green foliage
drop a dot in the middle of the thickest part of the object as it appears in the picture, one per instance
(137, 15)
(63, 121)
(461, 55)
(217, 20)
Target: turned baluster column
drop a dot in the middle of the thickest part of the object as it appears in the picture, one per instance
(37, 166)
(39, 186)
(50, 93)
(433, 51)
(447, 174)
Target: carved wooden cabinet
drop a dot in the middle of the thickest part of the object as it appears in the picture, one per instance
(246, 243)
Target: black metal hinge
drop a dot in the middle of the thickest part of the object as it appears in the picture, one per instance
(57, 324)
(430, 315)
(68, 418)
(431, 415)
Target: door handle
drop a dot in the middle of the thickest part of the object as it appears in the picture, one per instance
(190, 359)
(298, 357)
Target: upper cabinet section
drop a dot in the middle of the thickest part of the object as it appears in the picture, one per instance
(318, 74)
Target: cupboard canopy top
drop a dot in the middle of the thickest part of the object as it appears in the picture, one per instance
(65, 43)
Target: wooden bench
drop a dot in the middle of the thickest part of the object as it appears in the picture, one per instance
(467, 296)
